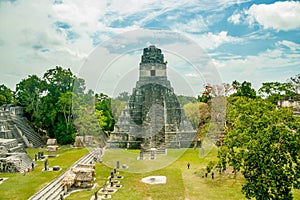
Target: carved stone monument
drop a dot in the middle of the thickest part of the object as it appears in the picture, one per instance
(153, 117)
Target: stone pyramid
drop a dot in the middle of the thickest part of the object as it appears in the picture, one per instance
(153, 117)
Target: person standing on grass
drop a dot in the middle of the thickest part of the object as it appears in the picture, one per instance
(188, 165)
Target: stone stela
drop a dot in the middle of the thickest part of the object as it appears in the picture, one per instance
(153, 117)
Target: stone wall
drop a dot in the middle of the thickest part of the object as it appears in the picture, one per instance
(293, 103)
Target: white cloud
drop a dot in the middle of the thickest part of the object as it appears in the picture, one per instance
(211, 41)
(276, 64)
(31, 44)
(192, 26)
(283, 15)
(235, 19)
(291, 45)
(271, 58)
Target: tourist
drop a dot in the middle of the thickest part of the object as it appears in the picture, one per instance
(212, 175)
(188, 165)
(32, 166)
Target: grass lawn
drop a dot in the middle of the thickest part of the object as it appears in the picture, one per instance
(20, 187)
(182, 183)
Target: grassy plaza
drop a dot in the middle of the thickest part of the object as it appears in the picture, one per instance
(182, 183)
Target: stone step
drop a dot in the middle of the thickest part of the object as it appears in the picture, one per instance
(31, 135)
(53, 190)
(21, 165)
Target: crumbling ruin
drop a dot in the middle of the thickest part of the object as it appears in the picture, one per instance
(15, 136)
(81, 176)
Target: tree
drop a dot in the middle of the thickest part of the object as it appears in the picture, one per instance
(103, 103)
(218, 115)
(84, 113)
(59, 81)
(28, 95)
(6, 95)
(2, 99)
(65, 131)
(183, 100)
(274, 91)
(215, 96)
(198, 113)
(264, 144)
(117, 107)
(295, 82)
(243, 89)
(211, 91)
(123, 96)
(60, 87)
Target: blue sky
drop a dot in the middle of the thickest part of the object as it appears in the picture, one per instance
(256, 41)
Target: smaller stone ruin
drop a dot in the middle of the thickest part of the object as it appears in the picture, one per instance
(79, 141)
(82, 141)
(13, 157)
(52, 145)
(14, 126)
(16, 135)
(293, 103)
(82, 176)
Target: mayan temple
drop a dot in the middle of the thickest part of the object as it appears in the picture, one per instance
(153, 117)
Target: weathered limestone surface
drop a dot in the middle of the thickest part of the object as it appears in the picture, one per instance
(14, 126)
(153, 117)
(294, 103)
(15, 136)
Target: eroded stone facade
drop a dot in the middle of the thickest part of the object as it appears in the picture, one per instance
(15, 136)
(153, 117)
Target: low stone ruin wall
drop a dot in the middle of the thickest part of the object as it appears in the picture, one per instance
(7, 165)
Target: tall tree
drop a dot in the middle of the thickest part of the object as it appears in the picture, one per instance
(211, 91)
(198, 113)
(6, 95)
(264, 144)
(123, 96)
(61, 86)
(117, 107)
(244, 89)
(105, 117)
(28, 95)
(295, 82)
(65, 130)
(274, 91)
(59, 81)
(183, 100)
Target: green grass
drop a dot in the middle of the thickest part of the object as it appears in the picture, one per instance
(18, 186)
(182, 183)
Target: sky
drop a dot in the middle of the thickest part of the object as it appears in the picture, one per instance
(203, 41)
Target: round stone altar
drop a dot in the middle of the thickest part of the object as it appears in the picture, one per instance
(155, 180)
